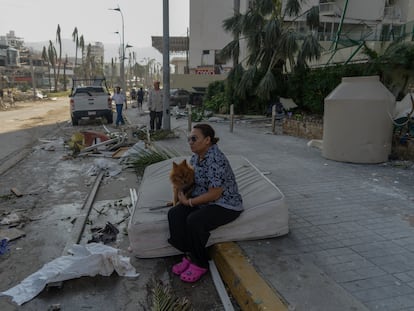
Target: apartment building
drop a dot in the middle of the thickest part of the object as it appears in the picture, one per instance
(97, 51)
(344, 26)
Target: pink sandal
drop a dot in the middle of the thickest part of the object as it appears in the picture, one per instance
(181, 266)
(193, 273)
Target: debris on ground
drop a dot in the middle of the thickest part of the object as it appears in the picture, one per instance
(10, 219)
(86, 260)
(16, 192)
(110, 167)
(104, 235)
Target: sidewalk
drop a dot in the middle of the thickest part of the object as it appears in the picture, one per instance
(351, 240)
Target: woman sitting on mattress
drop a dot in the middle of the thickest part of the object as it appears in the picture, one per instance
(215, 201)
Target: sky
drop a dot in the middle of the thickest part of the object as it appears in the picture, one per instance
(37, 20)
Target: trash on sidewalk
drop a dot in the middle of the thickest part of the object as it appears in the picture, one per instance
(110, 167)
(105, 235)
(93, 137)
(50, 144)
(88, 142)
(87, 260)
(119, 152)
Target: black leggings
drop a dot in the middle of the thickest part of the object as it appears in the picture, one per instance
(190, 228)
(155, 120)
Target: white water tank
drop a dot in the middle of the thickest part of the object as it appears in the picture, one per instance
(358, 121)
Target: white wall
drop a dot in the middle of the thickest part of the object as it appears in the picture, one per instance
(206, 31)
(368, 10)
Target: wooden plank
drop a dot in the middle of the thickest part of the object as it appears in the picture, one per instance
(16, 192)
(118, 153)
(80, 223)
(11, 234)
(81, 220)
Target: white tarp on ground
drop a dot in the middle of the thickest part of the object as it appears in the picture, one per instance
(265, 213)
(87, 260)
(404, 107)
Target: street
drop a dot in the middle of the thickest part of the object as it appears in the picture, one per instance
(53, 188)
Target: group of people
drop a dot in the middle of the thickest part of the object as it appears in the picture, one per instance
(155, 105)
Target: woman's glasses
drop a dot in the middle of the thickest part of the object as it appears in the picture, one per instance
(192, 139)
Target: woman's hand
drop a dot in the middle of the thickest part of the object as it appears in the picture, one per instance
(182, 198)
(211, 195)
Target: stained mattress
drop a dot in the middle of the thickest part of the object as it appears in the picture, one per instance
(265, 212)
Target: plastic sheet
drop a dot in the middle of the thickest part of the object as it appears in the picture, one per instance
(86, 260)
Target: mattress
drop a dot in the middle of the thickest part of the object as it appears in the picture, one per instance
(265, 212)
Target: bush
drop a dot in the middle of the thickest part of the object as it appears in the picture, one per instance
(216, 99)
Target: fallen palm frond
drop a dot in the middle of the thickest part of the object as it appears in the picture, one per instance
(154, 136)
(147, 157)
(163, 300)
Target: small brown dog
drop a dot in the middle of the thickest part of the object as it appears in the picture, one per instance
(182, 179)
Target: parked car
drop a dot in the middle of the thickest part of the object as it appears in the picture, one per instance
(180, 98)
(90, 99)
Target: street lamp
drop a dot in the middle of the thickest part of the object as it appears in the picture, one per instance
(122, 69)
(120, 43)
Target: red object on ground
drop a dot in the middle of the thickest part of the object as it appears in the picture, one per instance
(91, 137)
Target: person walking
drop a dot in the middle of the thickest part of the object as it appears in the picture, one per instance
(140, 97)
(155, 106)
(215, 201)
(119, 99)
(2, 106)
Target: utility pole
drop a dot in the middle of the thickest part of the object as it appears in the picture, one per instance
(33, 76)
(166, 66)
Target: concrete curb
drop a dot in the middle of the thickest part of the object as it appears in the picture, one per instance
(249, 289)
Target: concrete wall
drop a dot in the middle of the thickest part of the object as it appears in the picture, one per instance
(206, 31)
(190, 81)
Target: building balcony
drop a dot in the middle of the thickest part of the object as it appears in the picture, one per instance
(329, 9)
(393, 13)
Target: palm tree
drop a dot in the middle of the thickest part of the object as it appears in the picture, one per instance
(395, 63)
(89, 62)
(82, 46)
(59, 61)
(64, 73)
(52, 57)
(75, 37)
(45, 58)
(272, 46)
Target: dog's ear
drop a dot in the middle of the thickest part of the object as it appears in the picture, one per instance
(175, 165)
(184, 162)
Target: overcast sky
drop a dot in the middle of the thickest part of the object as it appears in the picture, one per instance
(37, 20)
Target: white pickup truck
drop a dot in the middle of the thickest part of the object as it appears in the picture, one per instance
(90, 98)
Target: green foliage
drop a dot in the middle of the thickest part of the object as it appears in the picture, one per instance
(308, 88)
(218, 103)
(197, 115)
(148, 157)
(164, 300)
(216, 98)
(154, 136)
(24, 87)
